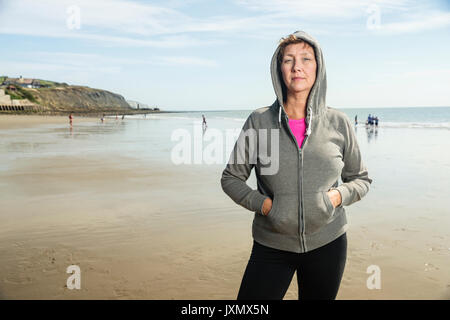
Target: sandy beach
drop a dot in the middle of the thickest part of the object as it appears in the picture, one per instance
(29, 121)
(142, 228)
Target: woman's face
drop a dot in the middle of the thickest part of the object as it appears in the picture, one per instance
(298, 67)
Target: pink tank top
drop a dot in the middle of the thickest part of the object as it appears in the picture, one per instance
(298, 128)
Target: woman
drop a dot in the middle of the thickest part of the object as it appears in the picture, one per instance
(299, 217)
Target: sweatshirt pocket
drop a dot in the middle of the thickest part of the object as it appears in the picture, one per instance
(272, 211)
(283, 217)
(317, 210)
(328, 203)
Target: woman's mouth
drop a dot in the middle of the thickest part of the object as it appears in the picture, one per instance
(298, 78)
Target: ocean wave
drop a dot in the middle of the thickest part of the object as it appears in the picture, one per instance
(381, 124)
(158, 117)
(165, 117)
(420, 125)
(229, 118)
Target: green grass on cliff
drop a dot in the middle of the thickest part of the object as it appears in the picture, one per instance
(52, 83)
(42, 82)
(20, 93)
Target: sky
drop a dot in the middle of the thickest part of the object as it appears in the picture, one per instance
(215, 55)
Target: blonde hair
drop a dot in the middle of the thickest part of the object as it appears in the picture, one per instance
(284, 42)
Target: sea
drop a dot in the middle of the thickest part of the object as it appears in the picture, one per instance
(423, 130)
(413, 117)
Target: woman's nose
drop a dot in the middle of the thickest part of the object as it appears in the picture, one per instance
(297, 66)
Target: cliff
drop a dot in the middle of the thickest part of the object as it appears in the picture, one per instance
(78, 99)
(49, 97)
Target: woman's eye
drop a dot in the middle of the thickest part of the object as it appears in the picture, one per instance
(286, 61)
(307, 59)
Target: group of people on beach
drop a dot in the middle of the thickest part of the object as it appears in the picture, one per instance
(371, 120)
(102, 119)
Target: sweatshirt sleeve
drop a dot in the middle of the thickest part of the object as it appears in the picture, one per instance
(238, 170)
(355, 177)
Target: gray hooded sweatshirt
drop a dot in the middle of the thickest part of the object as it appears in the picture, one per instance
(297, 178)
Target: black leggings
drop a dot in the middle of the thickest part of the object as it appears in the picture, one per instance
(269, 272)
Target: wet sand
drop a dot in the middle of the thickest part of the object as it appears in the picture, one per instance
(149, 230)
(28, 121)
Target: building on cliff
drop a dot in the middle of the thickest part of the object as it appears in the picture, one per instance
(23, 82)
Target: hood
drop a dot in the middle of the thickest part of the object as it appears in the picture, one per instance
(316, 104)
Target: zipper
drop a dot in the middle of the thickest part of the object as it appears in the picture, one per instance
(300, 154)
(302, 227)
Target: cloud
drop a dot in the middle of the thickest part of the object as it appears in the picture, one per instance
(188, 61)
(89, 61)
(172, 25)
(18, 67)
(127, 22)
(416, 23)
(429, 74)
(112, 22)
(402, 16)
(320, 8)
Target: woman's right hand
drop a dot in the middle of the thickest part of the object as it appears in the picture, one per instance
(267, 206)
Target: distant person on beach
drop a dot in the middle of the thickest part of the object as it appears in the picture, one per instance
(123, 116)
(103, 118)
(299, 220)
(70, 118)
(204, 121)
(376, 121)
(356, 120)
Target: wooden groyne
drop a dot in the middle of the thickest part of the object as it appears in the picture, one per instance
(25, 108)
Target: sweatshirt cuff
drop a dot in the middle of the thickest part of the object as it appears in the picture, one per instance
(345, 195)
(258, 202)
